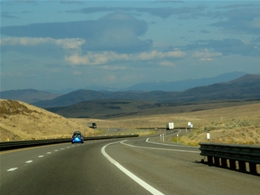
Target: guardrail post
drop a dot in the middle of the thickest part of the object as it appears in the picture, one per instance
(242, 166)
(232, 164)
(224, 162)
(210, 160)
(216, 161)
(252, 167)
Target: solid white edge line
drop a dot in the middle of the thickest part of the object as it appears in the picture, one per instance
(129, 174)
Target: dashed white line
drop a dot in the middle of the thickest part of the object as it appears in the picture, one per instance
(30, 161)
(12, 169)
(130, 174)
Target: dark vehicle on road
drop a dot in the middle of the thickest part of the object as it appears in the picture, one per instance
(77, 137)
(92, 125)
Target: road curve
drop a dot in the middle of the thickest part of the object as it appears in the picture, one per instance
(120, 166)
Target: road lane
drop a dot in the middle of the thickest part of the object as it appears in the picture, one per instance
(25, 154)
(81, 169)
(141, 182)
(178, 172)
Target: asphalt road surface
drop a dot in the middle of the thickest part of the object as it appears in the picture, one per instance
(119, 166)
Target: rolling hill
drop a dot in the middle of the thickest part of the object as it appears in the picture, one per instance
(246, 87)
(104, 109)
(19, 120)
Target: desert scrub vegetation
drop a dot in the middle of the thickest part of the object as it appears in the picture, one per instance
(231, 125)
(245, 133)
(236, 125)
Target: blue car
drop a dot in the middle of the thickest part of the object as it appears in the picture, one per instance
(77, 137)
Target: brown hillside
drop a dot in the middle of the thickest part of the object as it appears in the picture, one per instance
(21, 121)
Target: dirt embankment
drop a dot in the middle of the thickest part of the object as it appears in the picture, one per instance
(21, 121)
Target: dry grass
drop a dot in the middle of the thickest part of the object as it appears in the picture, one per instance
(238, 124)
(21, 121)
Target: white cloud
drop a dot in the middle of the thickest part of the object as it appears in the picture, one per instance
(206, 55)
(105, 57)
(27, 41)
(158, 55)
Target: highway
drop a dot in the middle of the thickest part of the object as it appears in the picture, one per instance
(119, 166)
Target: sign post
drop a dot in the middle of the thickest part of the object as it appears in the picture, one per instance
(208, 136)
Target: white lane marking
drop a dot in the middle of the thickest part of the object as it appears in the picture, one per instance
(68, 147)
(151, 148)
(56, 150)
(12, 169)
(40, 156)
(48, 152)
(130, 174)
(28, 161)
(62, 148)
(175, 145)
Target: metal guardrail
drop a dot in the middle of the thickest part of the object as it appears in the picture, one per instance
(244, 158)
(9, 145)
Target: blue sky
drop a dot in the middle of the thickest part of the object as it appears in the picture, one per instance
(76, 44)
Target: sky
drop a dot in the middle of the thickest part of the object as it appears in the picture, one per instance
(55, 45)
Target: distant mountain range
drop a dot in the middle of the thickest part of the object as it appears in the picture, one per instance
(184, 84)
(242, 88)
(162, 85)
(27, 95)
